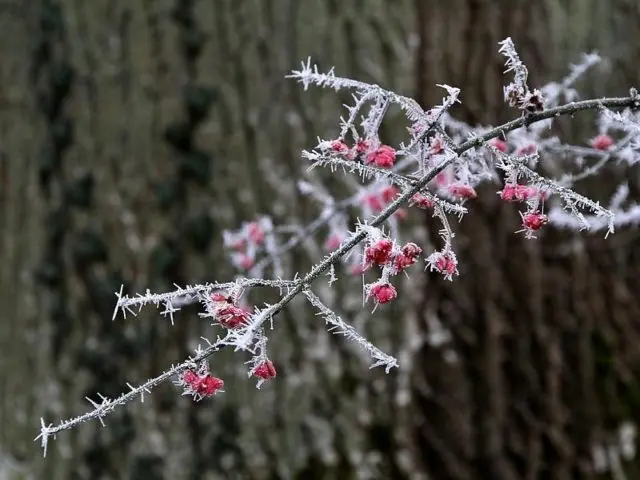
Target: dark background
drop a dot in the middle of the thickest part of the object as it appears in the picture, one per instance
(132, 132)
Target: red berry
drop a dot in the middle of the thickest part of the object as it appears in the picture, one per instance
(265, 370)
(380, 252)
(232, 316)
(444, 263)
(534, 220)
(389, 193)
(209, 385)
(383, 292)
(517, 193)
(373, 202)
(190, 378)
(383, 157)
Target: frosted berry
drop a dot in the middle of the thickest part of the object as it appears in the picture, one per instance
(383, 292)
(362, 146)
(534, 220)
(421, 201)
(383, 157)
(436, 145)
(232, 316)
(339, 146)
(517, 193)
(208, 385)
(444, 263)
(265, 370)
(462, 191)
(379, 253)
(190, 378)
(408, 256)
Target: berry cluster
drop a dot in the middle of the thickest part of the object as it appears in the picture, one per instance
(393, 259)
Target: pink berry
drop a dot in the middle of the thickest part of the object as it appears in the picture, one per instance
(265, 370)
(462, 191)
(333, 242)
(255, 233)
(218, 297)
(373, 202)
(436, 145)
(529, 149)
(383, 292)
(421, 201)
(499, 144)
(401, 213)
(602, 142)
(383, 157)
(246, 262)
(339, 146)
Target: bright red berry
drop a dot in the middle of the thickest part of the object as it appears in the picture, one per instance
(383, 157)
(534, 220)
(265, 370)
(379, 253)
(209, 385)
(383, 292)
(190, 377)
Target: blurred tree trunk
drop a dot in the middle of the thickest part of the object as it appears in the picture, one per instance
(543, 331)
(134, 131)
